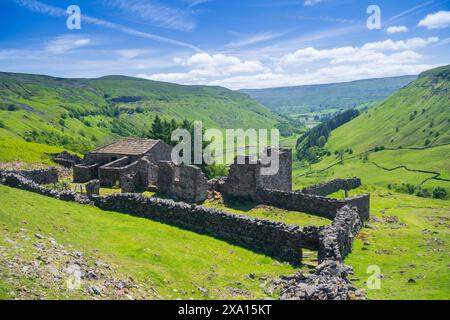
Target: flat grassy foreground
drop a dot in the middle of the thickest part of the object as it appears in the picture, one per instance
(169, 262)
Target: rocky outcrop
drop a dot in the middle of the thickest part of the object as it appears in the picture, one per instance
(329, 282)
(66, 159)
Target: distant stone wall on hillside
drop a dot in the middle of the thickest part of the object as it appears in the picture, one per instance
(311, 204)
(329, 187)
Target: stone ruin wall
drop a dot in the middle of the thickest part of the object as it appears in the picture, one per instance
(186, 183)
(283, 179)
(315, 205)
(85, 173)
(65, 159)
(329, 187)
(245, 181)
(245, 176)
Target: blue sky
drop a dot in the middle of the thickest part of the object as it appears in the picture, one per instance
(236, 44)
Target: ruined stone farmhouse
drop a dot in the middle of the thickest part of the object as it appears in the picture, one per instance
(111, 163)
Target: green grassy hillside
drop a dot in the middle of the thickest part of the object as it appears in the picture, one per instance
(317, 99)
(43, 237)
(161, 262)
(405, 139)
(82, 113)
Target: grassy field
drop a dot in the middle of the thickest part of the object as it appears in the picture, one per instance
(407, 239)
(26, 154)
(175, 262)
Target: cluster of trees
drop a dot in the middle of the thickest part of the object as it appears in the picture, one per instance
(162, 129)
(310, 146)
(56, 138)
(436, 193)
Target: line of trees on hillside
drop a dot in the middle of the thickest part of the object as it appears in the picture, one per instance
(310, 146)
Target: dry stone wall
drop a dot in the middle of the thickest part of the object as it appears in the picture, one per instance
(39, 176)
(279, 240)
(276, 239)
(330, 279)
(84, 173)
(321, 206)
(326, 188)
(16, 180)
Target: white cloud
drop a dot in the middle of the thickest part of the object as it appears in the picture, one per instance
(36, 6)
(255, 39)
(155, 13)
(436, 20)
(319, 76)
(367, 52)
(219, 64)
(131, 53)
(396, 29)
(310, 3)
(390, 45)
(66, 43)
(304, 66)
(193, 3)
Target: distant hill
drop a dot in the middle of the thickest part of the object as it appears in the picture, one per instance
(336, 96)
(405, 139)
(79, 114)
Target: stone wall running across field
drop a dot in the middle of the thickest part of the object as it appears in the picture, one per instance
(275, 239)
(315, 205)
(279, 240)
(39, 176)
(16, 180)
(329, 187)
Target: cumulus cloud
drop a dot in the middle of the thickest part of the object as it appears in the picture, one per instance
(413, 43)
(396, 29)
(367, 52)
(436, 20)
(304, 66)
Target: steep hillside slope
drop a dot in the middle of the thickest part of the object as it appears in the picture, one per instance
(81, 113)
(405, 139)
(336, 96)
(413, 115)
